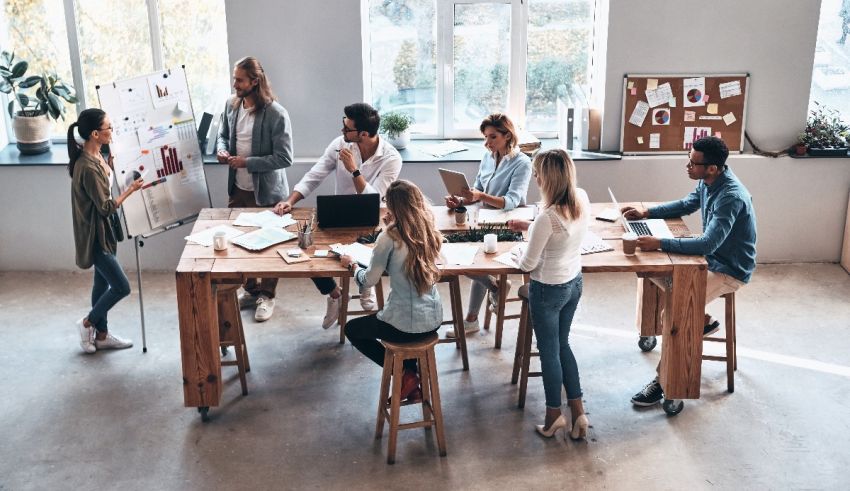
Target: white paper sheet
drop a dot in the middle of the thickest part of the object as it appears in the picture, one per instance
(205, 237)
(361, 254)
(659, 96)
(265, 218)
(655, 140)
(444, 148)
(730, 89)
(661, 116)
(693, 92)
(460, 254)
(639, 113)
(592, 244)
(500, 217)
(261, 238)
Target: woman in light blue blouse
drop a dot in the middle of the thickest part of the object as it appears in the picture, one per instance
(502, 183)
(407, 251)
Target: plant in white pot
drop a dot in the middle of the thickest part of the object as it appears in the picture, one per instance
(38, 98)
(396, 126)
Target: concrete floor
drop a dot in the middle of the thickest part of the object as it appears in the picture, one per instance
(115, 420)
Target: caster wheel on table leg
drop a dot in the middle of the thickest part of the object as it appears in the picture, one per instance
(204, 410)
(647, 343)
(673, 406)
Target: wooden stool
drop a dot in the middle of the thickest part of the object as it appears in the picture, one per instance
(731, 341)
(344, 313)
(432, 415)
(230, 331)
(500, 308)
(457, 318)
(523, 353)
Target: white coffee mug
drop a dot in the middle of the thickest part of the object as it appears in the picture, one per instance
(220, 240)
(490, 241)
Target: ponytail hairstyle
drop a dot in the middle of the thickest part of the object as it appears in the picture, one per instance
(413, 224)
(557, 177)
(88, 121)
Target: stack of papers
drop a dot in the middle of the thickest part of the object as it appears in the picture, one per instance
(528, 143)
(262, 238)
(205, 238)
(265, 218)
(509, 258)
(489, 216)
(460, 254)
(592, 244)
(443, 148)
(361, 254)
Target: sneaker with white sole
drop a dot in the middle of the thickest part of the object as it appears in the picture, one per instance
(367, 299)
(469, 327)
(247, 301)
(331, 313)
(494, 295)
(650, 395)
(265, 308)
(113, 342)
(86, 337)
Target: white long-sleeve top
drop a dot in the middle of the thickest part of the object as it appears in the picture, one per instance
(379, 170)
(553, 255)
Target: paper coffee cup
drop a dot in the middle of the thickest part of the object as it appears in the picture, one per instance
(629, 243)
(460, 215)
(490, 241)
(220, 240)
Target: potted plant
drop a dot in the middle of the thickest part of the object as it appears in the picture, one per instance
(825, 133)
(396, 125)
(38, 100)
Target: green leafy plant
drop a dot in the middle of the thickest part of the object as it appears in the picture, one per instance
(477, 234)
(824, 129)
(394, 123)
(49, 89)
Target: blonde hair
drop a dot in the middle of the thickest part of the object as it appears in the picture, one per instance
(503, 124)
(557, 177)
(254, 71)
(413, 224)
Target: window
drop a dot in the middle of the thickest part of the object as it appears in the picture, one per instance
(114, 40)
(831, 71)
(449, 63)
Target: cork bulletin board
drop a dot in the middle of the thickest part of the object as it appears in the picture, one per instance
(666, 113)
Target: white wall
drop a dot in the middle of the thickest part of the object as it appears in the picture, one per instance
(312, 52)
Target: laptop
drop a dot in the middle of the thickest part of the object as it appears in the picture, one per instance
(652, 226)
(348, 210)
(455, 181)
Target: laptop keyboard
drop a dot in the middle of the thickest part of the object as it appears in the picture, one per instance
(640, 228)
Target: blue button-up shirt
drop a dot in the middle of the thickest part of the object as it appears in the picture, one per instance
(509, 180)
(728, 239)
(405, 309)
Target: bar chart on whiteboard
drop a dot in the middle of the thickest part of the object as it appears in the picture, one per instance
(155, 138)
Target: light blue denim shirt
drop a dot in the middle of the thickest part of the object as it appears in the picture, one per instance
(405, 309)
(728, 239)
(509, 180)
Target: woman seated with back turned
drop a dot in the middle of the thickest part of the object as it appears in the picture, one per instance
(553, 257)
(502, 183)
(407, 250)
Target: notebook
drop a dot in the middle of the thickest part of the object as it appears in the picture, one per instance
(652, 226)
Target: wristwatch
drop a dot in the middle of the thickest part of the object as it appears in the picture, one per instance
(355, 174)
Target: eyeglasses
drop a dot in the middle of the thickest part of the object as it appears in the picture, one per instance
(346, 129)
(691, 163)
(104, 129)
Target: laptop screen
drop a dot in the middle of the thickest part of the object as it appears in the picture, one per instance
(617, 206)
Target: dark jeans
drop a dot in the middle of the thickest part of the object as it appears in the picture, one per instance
(364, 333)
(552, 309)
(110, 286)
(325, 285)
(254, 286)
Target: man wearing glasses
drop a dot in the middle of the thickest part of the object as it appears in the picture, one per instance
(361, 162)
(728, 241)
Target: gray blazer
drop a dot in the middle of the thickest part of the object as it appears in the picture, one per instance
(271, 151)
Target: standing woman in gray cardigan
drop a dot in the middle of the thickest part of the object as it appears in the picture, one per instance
(92, 205)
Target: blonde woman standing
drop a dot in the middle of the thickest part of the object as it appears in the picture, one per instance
(553, 257)
(407, 251)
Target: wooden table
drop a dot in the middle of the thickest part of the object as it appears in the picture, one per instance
(202, 271)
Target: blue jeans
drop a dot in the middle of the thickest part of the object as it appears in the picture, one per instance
(110, 286)
(552, 309)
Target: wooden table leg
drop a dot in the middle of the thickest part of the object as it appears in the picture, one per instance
(199, 342)
(500, 309)
(343, 308)
(649, 306)
(681, 354)
(457, 315)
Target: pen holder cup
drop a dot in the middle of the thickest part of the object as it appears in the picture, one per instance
(305, 239)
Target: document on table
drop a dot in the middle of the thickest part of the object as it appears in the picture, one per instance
(592, 243)
(509, 258)
(262, 238)
(489, 216)
(460, 254)
(443, 148)
(265, 218)
(361, 254)
(205, 237)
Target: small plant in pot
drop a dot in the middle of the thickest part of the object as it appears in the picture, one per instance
(38, 99)
(825, 133)
(396, 126)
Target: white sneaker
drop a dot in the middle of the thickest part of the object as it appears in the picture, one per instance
(494, 295)
(113, 342)
(367, 299)
(265, 308)
(247, 301)
(86, 337)
(331, 313)
(469, 327)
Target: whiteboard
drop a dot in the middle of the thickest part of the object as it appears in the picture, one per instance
(154, 136)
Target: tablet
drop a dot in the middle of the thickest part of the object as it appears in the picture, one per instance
(455, 181)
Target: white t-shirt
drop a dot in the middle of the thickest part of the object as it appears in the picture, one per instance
(553, 255)
(244, 137)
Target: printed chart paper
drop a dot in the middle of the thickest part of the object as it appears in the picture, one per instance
(659, 96)
(730, 89)
(694, 133)
(661, 117)
(694, 92)
(655, 140)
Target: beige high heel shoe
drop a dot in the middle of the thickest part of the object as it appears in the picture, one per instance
(579, 430)
(559, 423)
